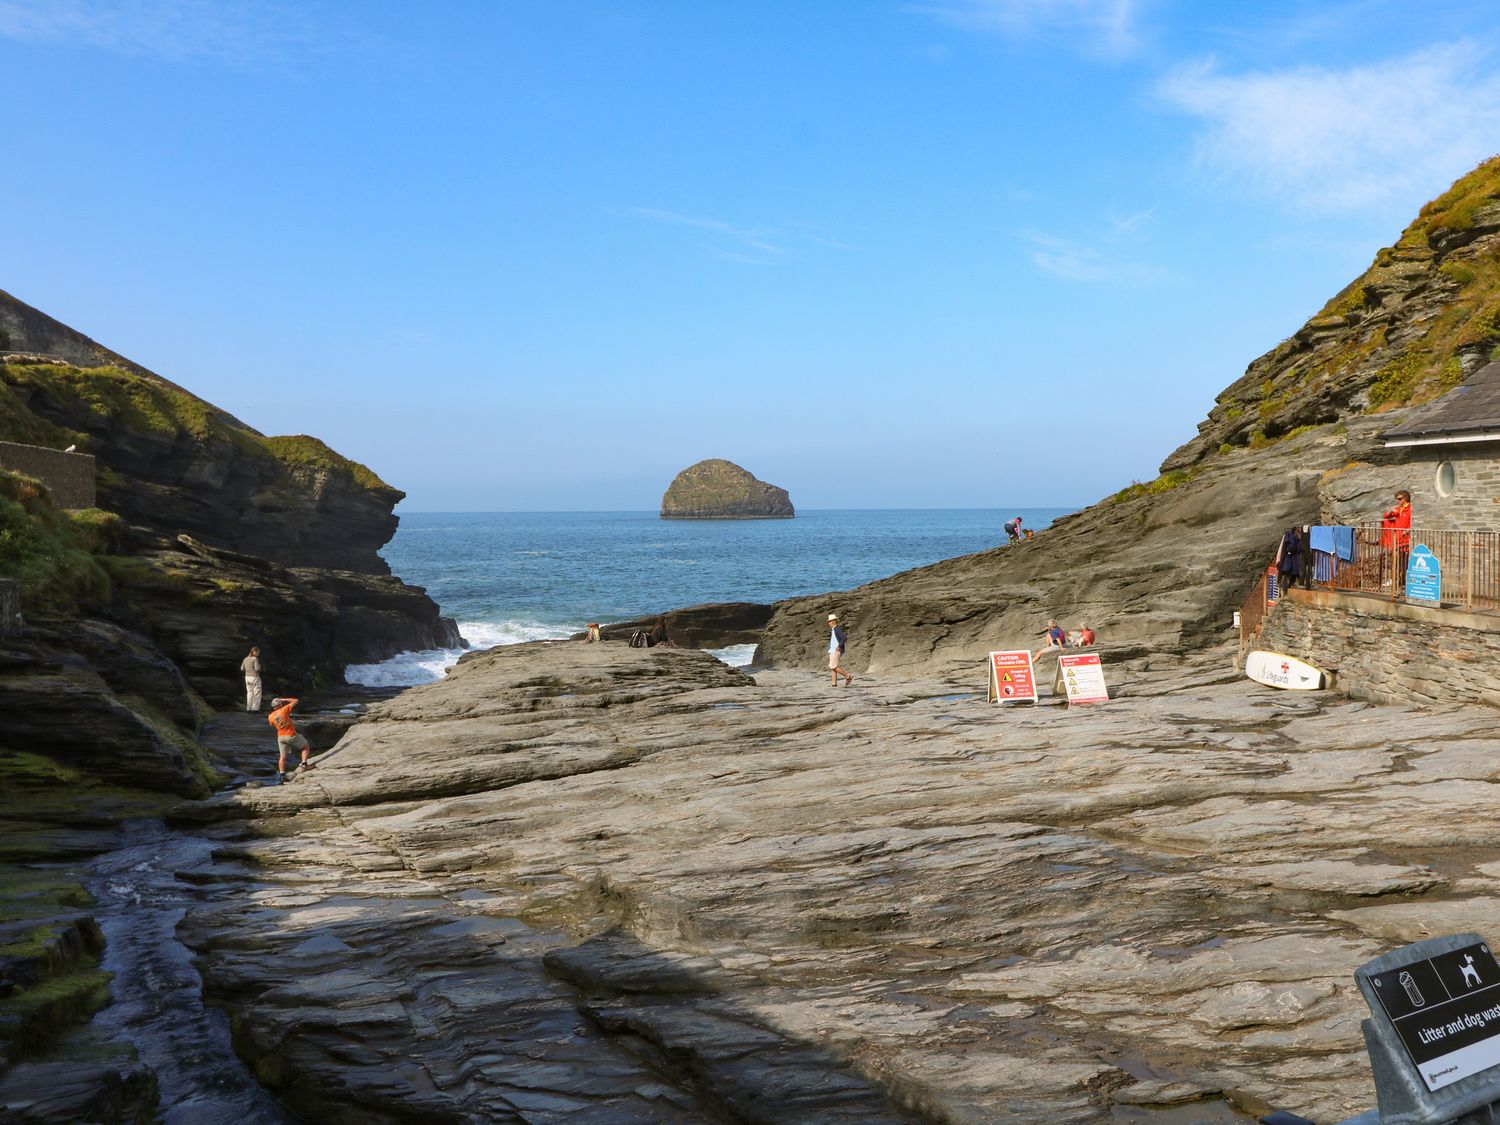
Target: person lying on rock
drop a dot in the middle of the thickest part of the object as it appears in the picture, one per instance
(287, 737)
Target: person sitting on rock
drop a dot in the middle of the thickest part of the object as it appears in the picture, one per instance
(658, 635)
(1056, 638)
(1085, 637)
(287, 737)
(1013, 530)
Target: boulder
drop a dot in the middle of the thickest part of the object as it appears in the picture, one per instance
(716, 489)
(700, 626)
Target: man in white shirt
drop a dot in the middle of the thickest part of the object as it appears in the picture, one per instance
(837, 639)
(251, 667)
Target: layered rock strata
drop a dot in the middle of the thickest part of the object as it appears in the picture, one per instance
(1293, 441)
(507, 893)
(720, 490)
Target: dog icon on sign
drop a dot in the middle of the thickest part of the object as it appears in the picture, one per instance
(1471, 974)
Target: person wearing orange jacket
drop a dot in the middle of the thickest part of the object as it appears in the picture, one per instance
(287, 737)
(1395, 537)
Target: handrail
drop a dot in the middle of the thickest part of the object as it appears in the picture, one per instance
(1468, 561)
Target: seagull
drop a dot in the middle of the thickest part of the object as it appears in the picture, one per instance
(71, 449)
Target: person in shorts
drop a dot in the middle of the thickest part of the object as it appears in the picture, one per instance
(287, 737)
(837, 641)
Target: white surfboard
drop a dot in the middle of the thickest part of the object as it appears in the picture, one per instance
(1277, 669)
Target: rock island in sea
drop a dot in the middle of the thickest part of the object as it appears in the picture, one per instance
(716, 489)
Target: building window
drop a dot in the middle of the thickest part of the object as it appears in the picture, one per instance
(1446, 479)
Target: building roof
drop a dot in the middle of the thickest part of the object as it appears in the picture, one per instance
(1470, 412)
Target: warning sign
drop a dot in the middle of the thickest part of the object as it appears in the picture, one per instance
(1083, 678)
(1012, 679)
(1446, 1010)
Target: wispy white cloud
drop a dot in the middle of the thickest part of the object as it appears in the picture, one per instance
(225, 30)
(751, 246)
(1107, 27)
(1097, 263)
(1345, 139)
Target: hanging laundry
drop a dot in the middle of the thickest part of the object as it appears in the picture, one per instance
(1343, 543)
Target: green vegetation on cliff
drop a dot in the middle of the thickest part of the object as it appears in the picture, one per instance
(1425, 314)
(113, 397)
(302, 451)
(51, 553)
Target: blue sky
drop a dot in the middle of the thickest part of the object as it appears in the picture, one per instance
(542, 255)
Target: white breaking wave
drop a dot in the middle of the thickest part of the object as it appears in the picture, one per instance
(736, 656)
(424, 666)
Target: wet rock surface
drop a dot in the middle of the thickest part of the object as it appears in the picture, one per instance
(586, 882)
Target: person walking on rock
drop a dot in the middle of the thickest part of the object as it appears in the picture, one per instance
(838, 640)
(287, 737)
(251, 667)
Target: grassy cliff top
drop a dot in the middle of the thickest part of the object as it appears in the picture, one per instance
(1420, 319)
(89, 400)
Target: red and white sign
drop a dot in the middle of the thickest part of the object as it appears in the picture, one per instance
(1083, 678)
(1012, 679)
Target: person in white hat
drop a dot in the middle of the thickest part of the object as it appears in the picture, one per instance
(837, 640)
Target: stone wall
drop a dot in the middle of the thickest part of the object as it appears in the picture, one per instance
(69, 477)
(10, 607)
(1390, 652)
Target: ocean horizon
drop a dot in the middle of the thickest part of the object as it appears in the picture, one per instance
(510, 577)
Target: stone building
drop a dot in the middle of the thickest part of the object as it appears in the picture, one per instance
(1451, 456)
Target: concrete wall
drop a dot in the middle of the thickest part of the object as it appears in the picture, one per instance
(69, 477)
(1390, 652)
(1361, 492)
(10, 607)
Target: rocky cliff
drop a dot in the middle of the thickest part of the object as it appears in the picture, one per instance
(1163, 564)
(720, 490)
(209, 537)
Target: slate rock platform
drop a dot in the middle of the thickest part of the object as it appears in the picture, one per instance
(594, 883)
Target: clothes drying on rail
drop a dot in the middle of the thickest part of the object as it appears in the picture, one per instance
(1343, 543)
(1320, 538)
(1322, 566)
(1289, 563)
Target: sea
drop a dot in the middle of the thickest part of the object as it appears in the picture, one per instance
(508, 577)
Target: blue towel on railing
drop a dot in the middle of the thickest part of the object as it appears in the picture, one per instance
(1320, 538)
(1343, 543)
(1322, 566)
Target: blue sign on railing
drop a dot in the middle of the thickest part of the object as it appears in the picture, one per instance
(1424, 576)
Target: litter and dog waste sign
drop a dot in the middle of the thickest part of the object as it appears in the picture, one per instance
(1446, 1011)
(1012, 678)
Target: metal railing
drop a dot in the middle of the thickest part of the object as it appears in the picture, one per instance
(1468, 561)
(1254, 608)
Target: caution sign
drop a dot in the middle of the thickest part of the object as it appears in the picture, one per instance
(1012, 679)
(1446, 1011)
(1083, 678)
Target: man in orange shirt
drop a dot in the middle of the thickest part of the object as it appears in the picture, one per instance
(287, 737)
